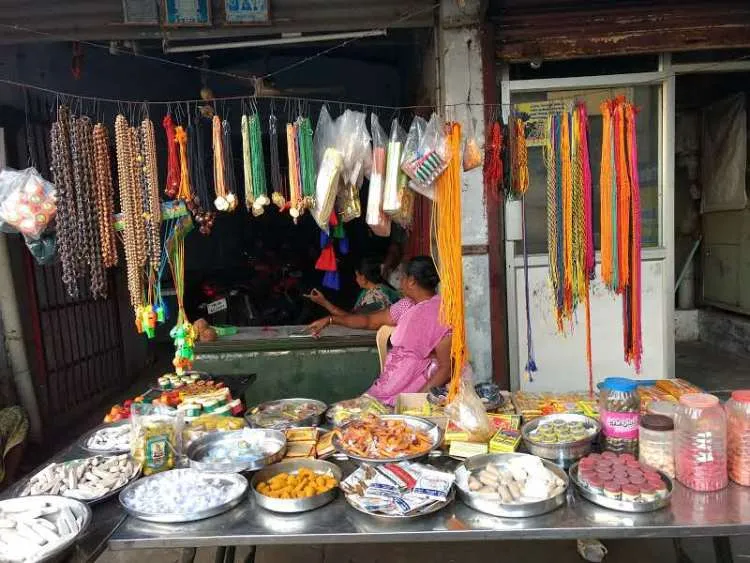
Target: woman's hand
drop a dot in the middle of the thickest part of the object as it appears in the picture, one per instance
(318, 326)
(317, 297)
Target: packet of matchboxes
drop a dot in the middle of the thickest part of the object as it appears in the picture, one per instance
(397, 489)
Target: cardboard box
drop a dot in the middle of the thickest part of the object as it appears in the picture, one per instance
(302, 434)
(416, 404)
(467, 449)
(505, 441)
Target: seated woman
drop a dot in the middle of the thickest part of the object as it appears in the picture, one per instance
(420, 357)
(376, 293)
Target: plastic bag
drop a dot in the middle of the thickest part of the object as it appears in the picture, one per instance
(42, 249)
(355, 147)
(28, 202)
(324, 135)
(472, 157)
(467, 410)
(391, 202)
(406, 197)
(155, 436)
(330, 167)
(379, 222)
(430, 159)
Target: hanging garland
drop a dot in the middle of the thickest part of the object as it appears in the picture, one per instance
(247, 162)
(448, 237)
(279, 197)
(493, 162)
(104, 196)
(225, 198)
(295, 188)
(151, 201)
(183, 333)
(173, 163)
(199, 180)
(306, 161)
(229, 179)
(260, 199)
(621, 219)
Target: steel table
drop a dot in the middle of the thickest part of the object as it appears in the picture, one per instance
(718, 515)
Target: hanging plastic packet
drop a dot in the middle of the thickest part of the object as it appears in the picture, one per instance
(430, 160)
(42, 249)
(378, 221)
(472, 157)
(348, 203)
(394, 153)
(406, 198)
(28, 202)
(467, 410)
(324, 133)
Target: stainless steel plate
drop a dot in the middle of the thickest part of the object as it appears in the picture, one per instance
(622, 505)
(428, 427)
(301, 504)
(259, 416)
(564, 453)
(78, 508)
(483, 504)
(201, 451)
(234, 481)
(83, 441)
(395, 518)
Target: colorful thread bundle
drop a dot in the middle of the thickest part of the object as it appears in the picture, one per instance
(448, 237)
(493, 161)
(569, 218)
(621, 219)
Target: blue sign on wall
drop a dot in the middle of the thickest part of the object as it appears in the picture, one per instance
(246, 11)
(187, 12)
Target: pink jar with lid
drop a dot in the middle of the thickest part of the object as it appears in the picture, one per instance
(701, 442)
(738, 437)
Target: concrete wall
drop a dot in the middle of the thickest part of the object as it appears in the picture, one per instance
(460, 81)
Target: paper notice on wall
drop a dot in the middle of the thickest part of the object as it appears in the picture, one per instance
(536, 124)
(724, 155)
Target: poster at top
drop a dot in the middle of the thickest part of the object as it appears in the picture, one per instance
(536, 123)
(246, 11)
(187, 12)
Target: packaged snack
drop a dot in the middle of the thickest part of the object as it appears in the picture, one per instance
(302, 434)
(429, 161)
(300, 449)
(434, 484)
(472, 153)
(467, 410)
(393, 174)
(378, 221)
(677, 387)
(155, 437)
(466, 449)
(505, 441)
(28, 203)
(325, 445)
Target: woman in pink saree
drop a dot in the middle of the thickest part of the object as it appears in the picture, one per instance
(420, 357)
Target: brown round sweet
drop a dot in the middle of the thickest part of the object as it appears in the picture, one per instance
(208, 335)
(200, 325)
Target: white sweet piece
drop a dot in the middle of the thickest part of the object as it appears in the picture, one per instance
(519, 480)
(110, 439)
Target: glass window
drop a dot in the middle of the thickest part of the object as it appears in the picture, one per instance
(646, 98)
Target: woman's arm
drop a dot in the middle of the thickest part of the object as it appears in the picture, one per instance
(317, 297)
(372, 321)
(443, 357)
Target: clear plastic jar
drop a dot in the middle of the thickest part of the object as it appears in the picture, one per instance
(738, 437)
(656, 442)
(701, 442)
(619, 413)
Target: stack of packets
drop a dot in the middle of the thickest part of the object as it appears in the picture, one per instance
(534, 405)
(669, 390)
(208, 423)
(308, 442)
(506, 437)
(397, 489)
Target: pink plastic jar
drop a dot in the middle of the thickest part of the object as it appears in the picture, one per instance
(701, 442)
(738, 437)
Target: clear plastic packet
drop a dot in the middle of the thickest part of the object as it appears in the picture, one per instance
(467, 410)
(406, 197)
(430, 159)
(324, 135)
(28, 202)
(327, 147)
(394, 152)
(472, 154)
(378, 221)
(155, 436)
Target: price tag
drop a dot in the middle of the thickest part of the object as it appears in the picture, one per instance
(216, 306)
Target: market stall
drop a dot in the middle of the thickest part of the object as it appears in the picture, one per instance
(287, 361)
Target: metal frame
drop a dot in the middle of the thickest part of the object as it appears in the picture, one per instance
(664, 77)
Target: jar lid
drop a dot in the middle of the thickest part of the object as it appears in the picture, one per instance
(657, 422)
(618, 384)
(741, 395)
(699, 400)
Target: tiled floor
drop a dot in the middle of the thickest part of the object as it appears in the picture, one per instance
(696, 362)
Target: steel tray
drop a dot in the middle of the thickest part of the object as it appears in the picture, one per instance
(313, 420)
(427, 426)
(274, 443)
(294, 504)
(565, 453)
(622, 505)
(233, 479)
(83, 440)
(496, 508)
(77, 507)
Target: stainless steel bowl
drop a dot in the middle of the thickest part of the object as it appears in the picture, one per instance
(200, 451)
(295, 504)
(566, 453)
(251, 416)
(79, 509)
(237, 484)
(496, 508)
(622, 505)
(83, 441)
(426, 426)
